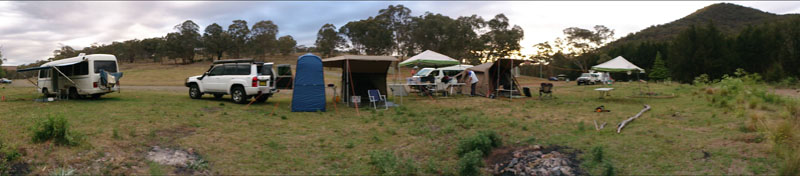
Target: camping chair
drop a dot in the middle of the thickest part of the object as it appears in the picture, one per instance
(375, 97)
(546, 89)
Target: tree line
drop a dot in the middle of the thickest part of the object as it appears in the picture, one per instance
(187, 42)
(771, 50)
(393, 31)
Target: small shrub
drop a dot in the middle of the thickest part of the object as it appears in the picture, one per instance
(199, 164)
(608, 170)
(470, 163)
(483, 141)
(63, 172)
(385, 162)
(597, 154)
(115, 134)
(283, 117)
(783, 135)
(56, 129)
(350, 144)
(791, 165)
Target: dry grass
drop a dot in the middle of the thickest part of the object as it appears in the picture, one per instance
(672, 138)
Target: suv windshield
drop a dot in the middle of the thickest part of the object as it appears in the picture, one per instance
(424, 72)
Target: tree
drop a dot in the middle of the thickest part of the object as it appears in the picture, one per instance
(328, 40)
(2, 59)
(239, 32)
(216, 40)
(502, 41)
(286, 44)
(264, 35)
(659, 70)
(398, 18)
(452, 37)
(580, 44)
(182, 44)
(371, 36)
(150, 47)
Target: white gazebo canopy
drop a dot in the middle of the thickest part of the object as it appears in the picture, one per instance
(429, 58)
(618, 64)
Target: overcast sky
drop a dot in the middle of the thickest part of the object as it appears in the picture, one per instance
(30, 31)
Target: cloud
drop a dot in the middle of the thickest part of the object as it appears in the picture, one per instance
(32, 30)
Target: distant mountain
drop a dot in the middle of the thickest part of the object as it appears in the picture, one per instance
(729, 18)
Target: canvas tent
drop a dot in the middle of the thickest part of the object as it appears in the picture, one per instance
(309, 85)
(492, 76)
(429, 58)
(618, 64)
(361, 73)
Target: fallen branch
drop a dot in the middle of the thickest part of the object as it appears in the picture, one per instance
(622, 125)
(598, 128)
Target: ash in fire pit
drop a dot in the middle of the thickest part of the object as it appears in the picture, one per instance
(535, 160)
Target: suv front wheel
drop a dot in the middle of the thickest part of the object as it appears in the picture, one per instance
(194, 92)
(238, 95)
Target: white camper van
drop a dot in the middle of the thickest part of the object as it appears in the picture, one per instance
(80, 76)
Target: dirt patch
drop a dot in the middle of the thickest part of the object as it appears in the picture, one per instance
(185, 161)
(535, 160)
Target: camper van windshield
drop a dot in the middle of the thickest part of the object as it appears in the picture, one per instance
(108, 66)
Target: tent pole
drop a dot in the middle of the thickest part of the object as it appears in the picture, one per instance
(352, 88)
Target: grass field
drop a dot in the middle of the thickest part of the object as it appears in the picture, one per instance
(682, 135)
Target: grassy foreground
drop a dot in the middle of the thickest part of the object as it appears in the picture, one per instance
(682, 135)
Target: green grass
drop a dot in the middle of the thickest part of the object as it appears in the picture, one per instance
(237, 139)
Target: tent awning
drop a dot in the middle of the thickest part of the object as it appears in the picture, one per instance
(59, 63)
(430, 58)
(618, 64)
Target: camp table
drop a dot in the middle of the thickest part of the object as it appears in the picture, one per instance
(453, 85)
(604, 91)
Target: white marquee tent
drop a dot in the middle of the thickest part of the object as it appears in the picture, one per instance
(618, 64)
(430, 58)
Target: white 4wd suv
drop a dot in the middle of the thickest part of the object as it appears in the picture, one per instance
(241, 78)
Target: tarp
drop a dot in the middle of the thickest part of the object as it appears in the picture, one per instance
(618, 64)
(430, 58)
(487, 74)
(368, 72)
(309, 85)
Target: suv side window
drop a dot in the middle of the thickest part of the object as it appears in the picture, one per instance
(217, 70)
(435, 73)
(242, 69)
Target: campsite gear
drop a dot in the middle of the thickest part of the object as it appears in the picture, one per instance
(546, 89)
(492, 76)
(309, 85)
(284, 77)
(375, 97)
(361, 73)
(398, 90)
(355, 100)
(604, 91)
(526, 91)
(429, 58)
(601, 108)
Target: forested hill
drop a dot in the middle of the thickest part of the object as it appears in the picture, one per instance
(728, 18)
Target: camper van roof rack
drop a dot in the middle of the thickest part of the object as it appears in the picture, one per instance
(233, 61)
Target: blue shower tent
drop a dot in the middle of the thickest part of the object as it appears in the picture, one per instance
(309, 85)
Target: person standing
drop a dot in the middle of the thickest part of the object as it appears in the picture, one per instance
(414, 70)
(473, 80)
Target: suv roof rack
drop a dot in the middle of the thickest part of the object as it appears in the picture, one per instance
(233, 61)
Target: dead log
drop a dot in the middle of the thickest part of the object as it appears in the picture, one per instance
(622, 125)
